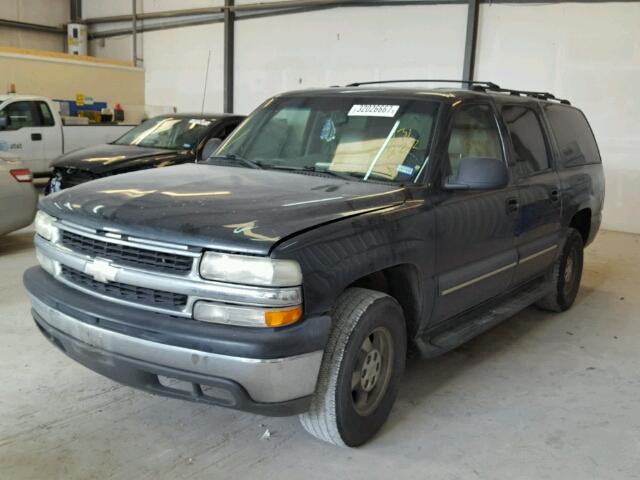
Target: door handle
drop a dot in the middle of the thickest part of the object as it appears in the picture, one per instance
(555, 196)
(36, 137)
(512, 205)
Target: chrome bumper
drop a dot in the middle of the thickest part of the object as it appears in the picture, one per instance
(265, 380)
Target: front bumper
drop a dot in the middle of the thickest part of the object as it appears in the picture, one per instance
(100, 340)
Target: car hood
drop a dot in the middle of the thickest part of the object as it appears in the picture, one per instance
(105, 158)
(224, 208)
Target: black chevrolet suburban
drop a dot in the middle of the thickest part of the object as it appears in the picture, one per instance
(332, 233)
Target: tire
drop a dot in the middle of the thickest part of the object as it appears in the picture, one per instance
(566, 275)
(350, 416)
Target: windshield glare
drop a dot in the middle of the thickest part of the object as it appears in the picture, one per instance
(174, 133)
(366, 138)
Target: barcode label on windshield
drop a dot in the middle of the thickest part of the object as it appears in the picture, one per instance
(374, 110)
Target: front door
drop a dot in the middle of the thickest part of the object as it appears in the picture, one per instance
(476, 248)
(538, 184)
(23, 134)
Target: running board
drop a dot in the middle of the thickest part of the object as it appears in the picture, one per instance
(439, 343)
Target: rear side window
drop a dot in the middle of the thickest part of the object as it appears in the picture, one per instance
(45, 114)
(575, 139)
(527, 139)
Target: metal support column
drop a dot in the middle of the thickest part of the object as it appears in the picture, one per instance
(134, 32)
(229, 20)
(470, 42)
(75, 10)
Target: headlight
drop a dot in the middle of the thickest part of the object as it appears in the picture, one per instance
(263, 271)
(45, 226)
(246, 316)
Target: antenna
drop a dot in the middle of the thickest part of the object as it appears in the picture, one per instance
(206, 78)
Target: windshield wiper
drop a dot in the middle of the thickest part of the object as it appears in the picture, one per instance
(344, 176)
(236, 158)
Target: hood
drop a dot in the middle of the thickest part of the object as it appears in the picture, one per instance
(225, 208)
(105, 158)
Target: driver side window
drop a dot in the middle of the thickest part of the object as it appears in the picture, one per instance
(474, 133)
(18, 115)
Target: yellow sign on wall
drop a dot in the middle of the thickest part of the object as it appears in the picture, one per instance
(79, 99)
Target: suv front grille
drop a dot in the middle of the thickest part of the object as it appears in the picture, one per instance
(129, 293)
(127, 255)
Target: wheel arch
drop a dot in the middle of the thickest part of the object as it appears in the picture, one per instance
(402, 282)
(581, 221)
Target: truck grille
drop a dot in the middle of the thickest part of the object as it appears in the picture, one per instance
(129, 293)
(127, 255)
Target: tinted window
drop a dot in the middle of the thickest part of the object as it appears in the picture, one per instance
(575, 140)
(527, 139)
(45, 114)
(19, 114)
(474, 134)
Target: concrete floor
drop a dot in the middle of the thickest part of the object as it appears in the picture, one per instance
(541, 396)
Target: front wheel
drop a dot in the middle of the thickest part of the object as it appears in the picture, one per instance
(566, 275)
(361, 369)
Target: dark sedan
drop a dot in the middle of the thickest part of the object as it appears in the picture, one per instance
(158, 142)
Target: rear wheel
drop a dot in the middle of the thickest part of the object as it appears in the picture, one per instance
(566, 275)
(361, 369)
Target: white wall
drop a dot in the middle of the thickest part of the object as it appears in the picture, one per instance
(589, 53)
(336, 47)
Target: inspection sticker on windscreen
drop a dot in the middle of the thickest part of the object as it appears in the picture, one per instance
(374, 110)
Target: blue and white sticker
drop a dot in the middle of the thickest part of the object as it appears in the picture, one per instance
(404, 169)
(373, 111)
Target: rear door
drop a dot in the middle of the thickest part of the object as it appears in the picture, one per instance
(23, 134)
(476, 230)
(538, 183)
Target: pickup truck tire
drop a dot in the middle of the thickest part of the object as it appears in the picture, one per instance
(566, 275)
(361, 369)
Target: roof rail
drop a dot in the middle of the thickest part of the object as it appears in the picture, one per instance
(474, 85)
(489, 85)
(526, 93)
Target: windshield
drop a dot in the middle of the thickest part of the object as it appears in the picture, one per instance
(174, 133)
(356, 137)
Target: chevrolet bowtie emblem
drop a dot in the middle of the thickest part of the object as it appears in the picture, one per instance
(101, 271)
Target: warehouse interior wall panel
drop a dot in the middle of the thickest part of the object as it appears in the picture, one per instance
(589, 54)
(339, 46)
(63, 78)
(175, 64)
(54, 13)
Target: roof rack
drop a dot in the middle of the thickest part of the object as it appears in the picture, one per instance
(476, 86)
(526, 93)
(464, 82)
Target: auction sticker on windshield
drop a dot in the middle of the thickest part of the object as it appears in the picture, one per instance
(373, 110)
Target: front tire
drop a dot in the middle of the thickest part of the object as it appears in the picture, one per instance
(566, 275)
(361, 369)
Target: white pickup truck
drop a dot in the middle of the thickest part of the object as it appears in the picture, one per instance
(31, 127)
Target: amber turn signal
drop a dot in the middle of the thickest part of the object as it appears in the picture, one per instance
(280, 318)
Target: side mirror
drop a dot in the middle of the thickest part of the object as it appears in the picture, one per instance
(210, 147)
(479, 173)
(3, 122)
